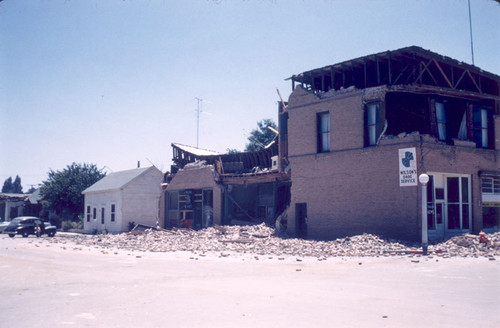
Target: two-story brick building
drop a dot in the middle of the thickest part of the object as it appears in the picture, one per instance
(357, 134)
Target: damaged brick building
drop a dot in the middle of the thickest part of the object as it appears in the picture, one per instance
(207, 188)
(357, 134)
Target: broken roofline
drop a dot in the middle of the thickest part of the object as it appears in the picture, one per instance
(410, 65)
(261, 158)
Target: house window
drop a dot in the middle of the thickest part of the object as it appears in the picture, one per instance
(94, 212)
(323, 128)
(88, 213)
(480, 122)
(372, 118)
(102, 215)
(441, 120)
(113, 212)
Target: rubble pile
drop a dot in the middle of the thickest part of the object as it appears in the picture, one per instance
(261, 240)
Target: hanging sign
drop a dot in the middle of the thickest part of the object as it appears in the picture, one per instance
(407, 167)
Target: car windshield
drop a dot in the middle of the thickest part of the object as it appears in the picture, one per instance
(16, 220)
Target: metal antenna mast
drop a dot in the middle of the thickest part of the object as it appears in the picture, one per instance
(198, 110)
(470, 27)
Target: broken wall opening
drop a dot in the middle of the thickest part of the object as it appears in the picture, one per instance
(444, 117)
(255, 203)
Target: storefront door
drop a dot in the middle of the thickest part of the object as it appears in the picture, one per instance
(440, 219)
(448, 205)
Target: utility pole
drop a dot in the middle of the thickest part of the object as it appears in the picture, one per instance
(470, 28)
(198, 110)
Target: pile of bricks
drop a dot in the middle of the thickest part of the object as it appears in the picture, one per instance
(261, 240)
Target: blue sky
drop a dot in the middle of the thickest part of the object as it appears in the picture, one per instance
(113, 82)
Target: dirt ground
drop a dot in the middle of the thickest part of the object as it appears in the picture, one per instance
(50, 285)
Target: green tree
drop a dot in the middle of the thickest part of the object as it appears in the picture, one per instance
(7, 185)
(16, 186)
(13, 187)
(261, 136)
(63, 189)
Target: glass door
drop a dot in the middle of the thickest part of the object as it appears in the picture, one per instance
(439, 219)
(458, 203)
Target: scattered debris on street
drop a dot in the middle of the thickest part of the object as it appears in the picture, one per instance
(261, 240)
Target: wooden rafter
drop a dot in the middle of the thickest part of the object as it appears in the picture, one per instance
(442, 73)
(460, 79)
(474, 81)
(425, 69)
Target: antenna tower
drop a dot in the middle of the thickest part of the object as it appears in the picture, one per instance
(198, 110)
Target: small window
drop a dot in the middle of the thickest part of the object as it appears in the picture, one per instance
(323, 124)
(102, 215)
(94, 216)
(88, 213)
(113, 212)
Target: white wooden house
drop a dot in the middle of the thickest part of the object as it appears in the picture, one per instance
(123, 197)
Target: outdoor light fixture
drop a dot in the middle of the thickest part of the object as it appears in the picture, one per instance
(424, 179)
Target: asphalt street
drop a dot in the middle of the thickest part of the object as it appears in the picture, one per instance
(50, 285)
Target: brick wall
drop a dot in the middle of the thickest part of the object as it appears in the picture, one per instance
(355, 189)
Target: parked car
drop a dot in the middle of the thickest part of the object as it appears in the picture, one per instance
(27, 225)
(3, 225)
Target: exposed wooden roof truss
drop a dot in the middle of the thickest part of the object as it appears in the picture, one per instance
(407, 66)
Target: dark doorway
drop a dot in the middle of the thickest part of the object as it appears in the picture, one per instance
(301, 220)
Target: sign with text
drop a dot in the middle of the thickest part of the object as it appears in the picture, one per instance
(407, 167)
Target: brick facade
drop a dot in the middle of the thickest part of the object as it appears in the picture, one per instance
(354, 189)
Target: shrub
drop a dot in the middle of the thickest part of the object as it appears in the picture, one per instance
(71, 225)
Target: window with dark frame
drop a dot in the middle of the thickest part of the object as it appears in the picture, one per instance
(88, 213)
(323, 132)
(102, 215)
(113, 211)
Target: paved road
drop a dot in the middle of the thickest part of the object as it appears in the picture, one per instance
(49, 285)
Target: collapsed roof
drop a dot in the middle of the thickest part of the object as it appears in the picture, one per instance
(407, 66)
(231, 163)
